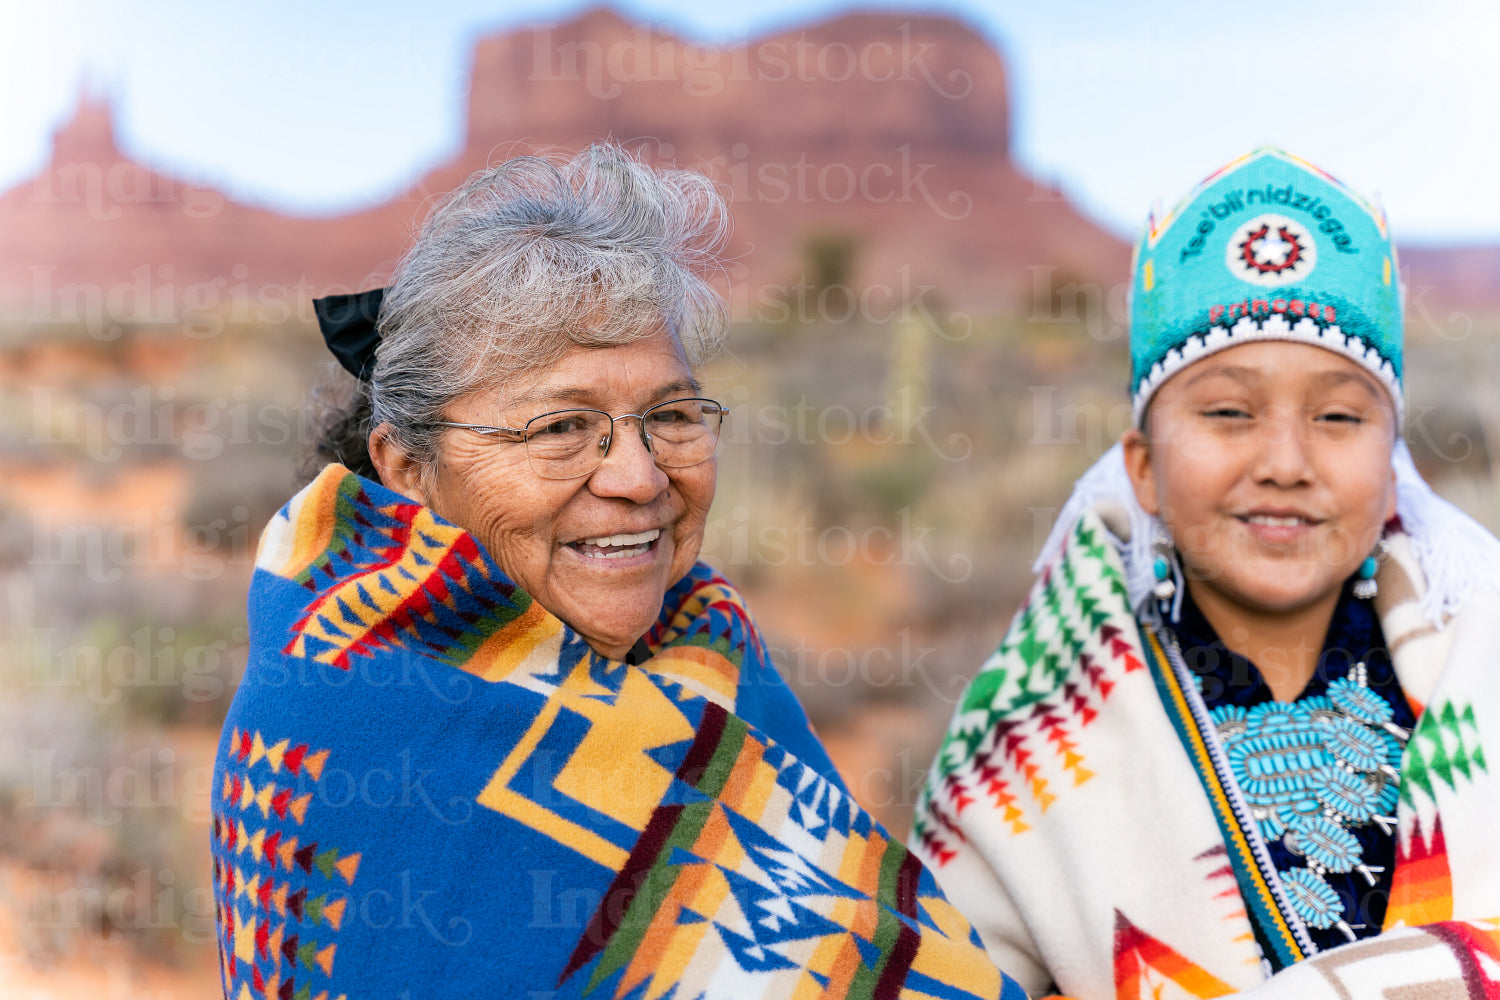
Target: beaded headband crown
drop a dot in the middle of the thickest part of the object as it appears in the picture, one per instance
(1269, 247)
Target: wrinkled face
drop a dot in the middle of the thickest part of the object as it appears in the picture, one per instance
(553, 536)
(1270, 466)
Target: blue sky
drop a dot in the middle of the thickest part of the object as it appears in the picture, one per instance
(321, 107)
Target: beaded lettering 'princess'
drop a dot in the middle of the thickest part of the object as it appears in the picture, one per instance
(1309, 771)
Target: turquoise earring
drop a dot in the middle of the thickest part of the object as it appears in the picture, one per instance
(1161, 567)
(1366, 587)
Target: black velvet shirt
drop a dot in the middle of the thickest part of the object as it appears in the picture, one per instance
(1226, 678)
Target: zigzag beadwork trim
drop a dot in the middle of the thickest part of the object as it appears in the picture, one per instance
(1248, 329)
(1282, 936)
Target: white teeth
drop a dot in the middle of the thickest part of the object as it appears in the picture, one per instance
(1276, 522)
(639, 538)
(621, 553)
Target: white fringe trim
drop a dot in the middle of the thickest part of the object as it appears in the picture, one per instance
(1456, 554)
(1275, 326)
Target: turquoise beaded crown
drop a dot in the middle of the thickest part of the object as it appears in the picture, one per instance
(1267, 248)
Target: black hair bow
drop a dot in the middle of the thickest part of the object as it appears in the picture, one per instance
(348, 325)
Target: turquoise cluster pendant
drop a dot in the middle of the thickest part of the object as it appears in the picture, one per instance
(1310, 771)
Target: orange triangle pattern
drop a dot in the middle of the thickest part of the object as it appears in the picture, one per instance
(1136, 952)
(1017, 739)
(1422, 884)
(270, 937)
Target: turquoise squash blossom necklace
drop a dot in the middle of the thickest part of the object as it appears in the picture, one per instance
(1310, 770)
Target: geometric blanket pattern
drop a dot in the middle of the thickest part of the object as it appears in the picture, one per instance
(1068, 813)
(429, 784)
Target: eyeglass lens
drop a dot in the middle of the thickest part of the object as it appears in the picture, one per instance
(571, 443)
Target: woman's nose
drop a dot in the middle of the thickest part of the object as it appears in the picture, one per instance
(628, 468)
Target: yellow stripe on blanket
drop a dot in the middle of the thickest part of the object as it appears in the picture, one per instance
(294, 539)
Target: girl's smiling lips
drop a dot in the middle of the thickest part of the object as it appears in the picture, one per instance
(1278, 525)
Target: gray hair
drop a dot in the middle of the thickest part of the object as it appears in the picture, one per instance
(526, 260)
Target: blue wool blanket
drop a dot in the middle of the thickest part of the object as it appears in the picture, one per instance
(428, 785)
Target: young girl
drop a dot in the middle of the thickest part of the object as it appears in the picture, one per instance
(1236, 739)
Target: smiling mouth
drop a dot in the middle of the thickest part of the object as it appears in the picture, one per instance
(1278, 520)
(621, 546)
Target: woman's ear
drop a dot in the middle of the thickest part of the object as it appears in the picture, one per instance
(396, 468)
(1138, 468)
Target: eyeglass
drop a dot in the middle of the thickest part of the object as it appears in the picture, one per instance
(569, 444)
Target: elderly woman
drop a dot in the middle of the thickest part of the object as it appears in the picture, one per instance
(501, 733)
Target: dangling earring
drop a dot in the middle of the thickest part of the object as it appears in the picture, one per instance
(1366, 587)
(1164, 555)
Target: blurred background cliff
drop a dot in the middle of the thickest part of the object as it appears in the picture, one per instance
(929, 346)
